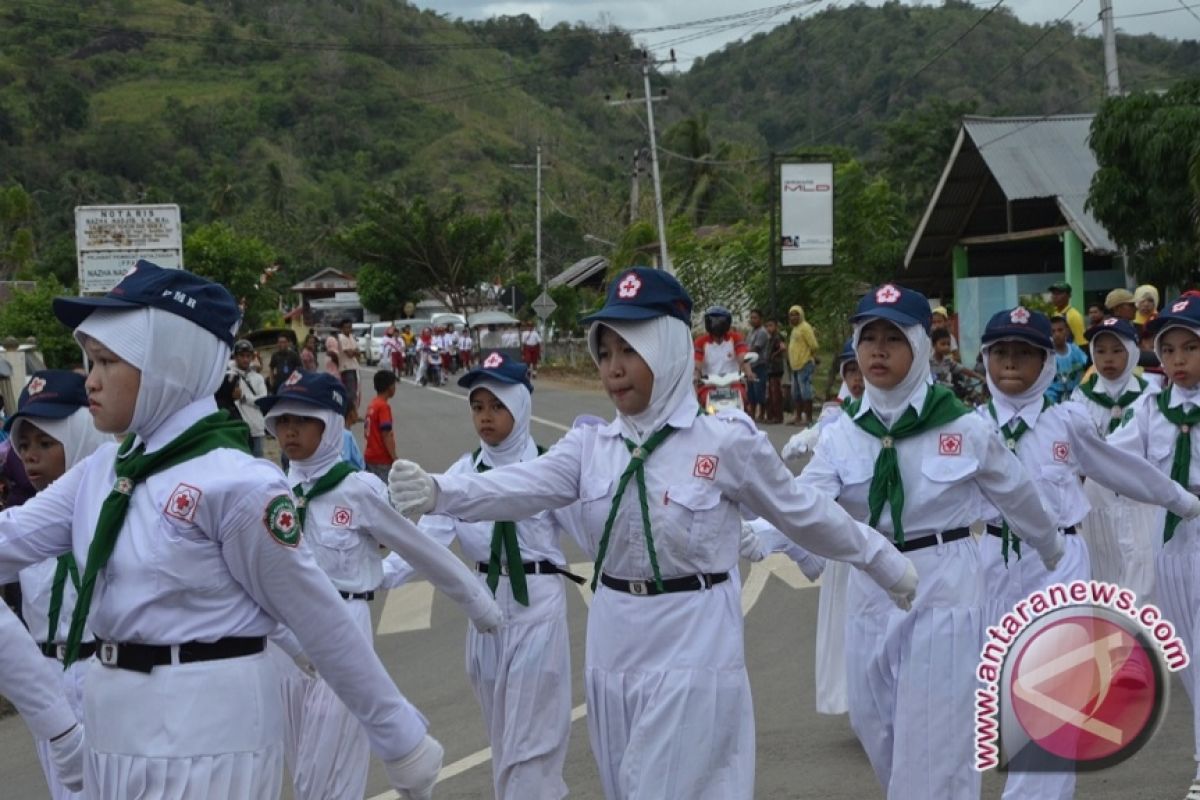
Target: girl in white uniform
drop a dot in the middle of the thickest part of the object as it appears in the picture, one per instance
(52, 431)
(1055, 443)
(659, 490)
(521, 673)
(189, 555)
(347, 522)
(1115, 528)
(1163, 431)
(910, 458)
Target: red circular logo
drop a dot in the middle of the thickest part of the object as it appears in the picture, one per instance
(1085, 688)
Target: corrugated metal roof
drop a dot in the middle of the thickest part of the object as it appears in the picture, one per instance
(998, 159)
(579, 272)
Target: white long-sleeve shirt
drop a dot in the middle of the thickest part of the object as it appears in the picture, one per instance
(695, 481)
(208, 568)
(1062, 444)
(29, 682)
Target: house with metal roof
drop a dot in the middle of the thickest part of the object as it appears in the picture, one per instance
(1008, 218)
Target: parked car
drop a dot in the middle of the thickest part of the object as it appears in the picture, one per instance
(361, 331)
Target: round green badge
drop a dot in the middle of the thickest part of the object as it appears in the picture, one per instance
(282, 522)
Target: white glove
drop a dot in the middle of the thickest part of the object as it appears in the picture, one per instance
(67, 754)
(410, 488)
(1194, 509)
(415, 775)
(1053, 553)
(904, 590)
(751, 546)
(489, 619)
(801, 444)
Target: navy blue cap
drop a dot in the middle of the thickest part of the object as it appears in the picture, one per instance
(895, 304)
(1183, 310)
(644, 293)
(498, 367)
(50, 394)
(1114, 325)
(199, 300)
(1019, 323)
(318, 389)
(847, 353)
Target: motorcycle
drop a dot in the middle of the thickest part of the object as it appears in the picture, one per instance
(726, 390)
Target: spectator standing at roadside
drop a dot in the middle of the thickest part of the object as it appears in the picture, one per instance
(1119, 303)
(1145, 298)
(251, 387)
(466, 346)
(308, 355)
(348, 361)
(1060, 298)
(757, 341)
(1095, 314)
(380, 437)
(284, 361)
(802, 357)
(1070, 362)
(939, 320)
(776, 353)
(531, 347)
(331, 356)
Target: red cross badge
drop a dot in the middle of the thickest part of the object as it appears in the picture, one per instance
(341, 517)
(493, 361)
(36, 385)
(950, 444)
(293, 379)
(182, 503)
(1061, 451)
(706, 467)
(1019, 316)
(629, 287)
(281, 522)
(887, 294)
(1180, 306)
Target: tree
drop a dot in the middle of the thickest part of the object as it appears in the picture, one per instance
(16, 230)
(418, 246)
(1146, 192)
(915, 146)
(239, 263)
(29, 312)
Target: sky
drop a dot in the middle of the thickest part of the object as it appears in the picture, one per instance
(1133, 16)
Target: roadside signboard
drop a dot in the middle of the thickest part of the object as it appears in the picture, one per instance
(110, 239)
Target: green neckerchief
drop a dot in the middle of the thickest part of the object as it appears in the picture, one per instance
(1181, 464)
(214, 432)
(66, 566)
(327, 482)
(636, 467)
(887, 488)
(1102, 399)
(504, 539)
(1012, 436)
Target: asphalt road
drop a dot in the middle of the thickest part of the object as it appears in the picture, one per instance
(801, 754)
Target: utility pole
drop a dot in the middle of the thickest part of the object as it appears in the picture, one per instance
(1112, 81)
(537, 167)
(635, 185)
(649, 99)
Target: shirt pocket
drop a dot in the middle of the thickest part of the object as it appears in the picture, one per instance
(1054, 486)
(944, 471)
(690, 517)
(595, 501)
(340, 551)
(187, 558)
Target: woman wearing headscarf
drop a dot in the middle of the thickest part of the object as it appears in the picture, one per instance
(659, 491)
(189, 555)
(911, 460)
(802, 359)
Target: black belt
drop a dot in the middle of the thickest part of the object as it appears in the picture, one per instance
(994, 530)
(145, 657)
(945, 537)
(688, 583)
(535, 568)
(368, 596)
(59, 651)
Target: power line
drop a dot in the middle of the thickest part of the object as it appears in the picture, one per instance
(1183, 7)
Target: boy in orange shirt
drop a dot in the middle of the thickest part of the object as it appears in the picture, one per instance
(381, 440)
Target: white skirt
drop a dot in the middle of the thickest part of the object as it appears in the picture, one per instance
(1123, 536)
(831, 638)
(185, 732)
(73, 679)
(1178, 582)
(326, 748)
(521, 675)
(669, 708)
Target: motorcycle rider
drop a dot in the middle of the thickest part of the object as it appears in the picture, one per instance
(720, 350)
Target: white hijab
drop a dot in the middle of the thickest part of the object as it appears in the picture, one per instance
(889, 404)
(1029, 401)
(329, 450)
(1115, 389)
(665, 344)
(518, 445)
(77, 433)
(180, 362)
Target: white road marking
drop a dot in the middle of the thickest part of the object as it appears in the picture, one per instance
(408, 608)
(540, 420)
